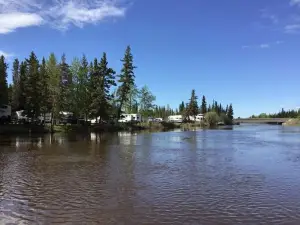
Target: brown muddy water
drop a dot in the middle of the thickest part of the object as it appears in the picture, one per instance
(248, 175)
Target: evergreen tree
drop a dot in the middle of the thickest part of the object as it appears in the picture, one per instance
(22, 84)
(45, 92)
(9, 94)
(16, 85)
(203, 105)
(230, 112)
(3, 81)
(33, 88)
(65, 85)
(126, 78)
(192, 109)
(182, 107)
(103, 79)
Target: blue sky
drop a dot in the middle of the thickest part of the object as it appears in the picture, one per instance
(241, 52)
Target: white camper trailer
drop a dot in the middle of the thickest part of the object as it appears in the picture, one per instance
(125, 118)
(175, 119)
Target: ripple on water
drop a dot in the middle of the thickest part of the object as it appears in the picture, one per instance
(203, 177)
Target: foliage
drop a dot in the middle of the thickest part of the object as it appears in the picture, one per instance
(203, 105)
(126, 79)
(53, 72)
(212, 119)
(3, 81)
(230, 112)
(146, 101)
(192, 107)
(16, 94)
(103, 79)
(33, 88)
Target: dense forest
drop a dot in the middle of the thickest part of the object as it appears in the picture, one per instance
(282, 114)
(87, 89)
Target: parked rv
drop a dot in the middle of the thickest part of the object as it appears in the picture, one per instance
(125, 118)
(175, 119)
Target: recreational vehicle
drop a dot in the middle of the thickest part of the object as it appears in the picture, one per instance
(130, 118)
(175, 119)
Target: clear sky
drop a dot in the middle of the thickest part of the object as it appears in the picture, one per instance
(242, 52)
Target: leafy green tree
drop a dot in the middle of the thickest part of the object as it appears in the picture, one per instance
(203, 105)
(126, 79)
(16, 85)
(53, 71)
(211, 119)
(230, 112)
(146, 101)
(3, 81)
(133, 95)
(33, 88)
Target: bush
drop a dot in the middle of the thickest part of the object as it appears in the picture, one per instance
(225, 119)
(212, 119)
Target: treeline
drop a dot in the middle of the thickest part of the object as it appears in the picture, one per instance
(282, 114)
(87, 89)
(192, 108)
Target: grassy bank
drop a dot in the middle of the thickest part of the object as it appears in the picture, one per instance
(163, 126)
(292, 122)
(22, 129)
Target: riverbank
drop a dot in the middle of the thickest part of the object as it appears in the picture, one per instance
(292, 122)
(28, 128)
(74, 128)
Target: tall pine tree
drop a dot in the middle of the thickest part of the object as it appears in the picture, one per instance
(33, 88)
(16, 85)
(45, 93)
(126, 79)
(192, 109)
(230, 112)
(102, 80)
(22, 84)
(203, 105)
(3, 81)
(65, 85)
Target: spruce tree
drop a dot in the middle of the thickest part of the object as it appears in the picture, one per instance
(22, 84)
(192, 108)
(126, 79)
(203, 105)
(16, 85)
(33, 88)
(103, 79)
(9, 94)
(65, 85)
(230, 112)
(45, 93)
(3, 81)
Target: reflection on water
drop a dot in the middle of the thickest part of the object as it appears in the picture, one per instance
(248, 175)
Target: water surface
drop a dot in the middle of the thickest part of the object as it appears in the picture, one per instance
(248, 175)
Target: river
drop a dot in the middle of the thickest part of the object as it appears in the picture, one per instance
(248, 175)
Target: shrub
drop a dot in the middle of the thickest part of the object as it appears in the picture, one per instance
(212, 119)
